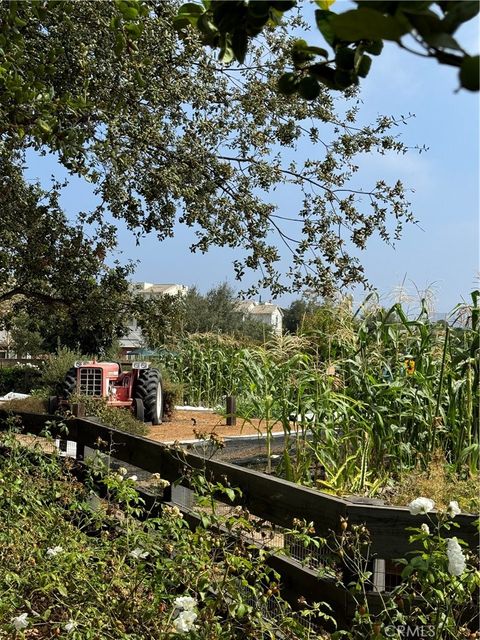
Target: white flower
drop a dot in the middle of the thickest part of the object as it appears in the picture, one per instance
(421, 505)
(185, 621)
(171, 512)
(122, 471)
(133, 478)
(185, 602)
(425, 528)
(54, 551)
(155, 476)
(70, 626)
(119, 477)
(20, 622)
(138, 553)
(453, 509)
(456, 559)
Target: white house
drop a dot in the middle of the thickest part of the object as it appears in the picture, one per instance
(150, 290)
(268, 313)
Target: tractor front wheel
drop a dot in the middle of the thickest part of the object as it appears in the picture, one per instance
(139, 409)
(69, 386)
(149, 389)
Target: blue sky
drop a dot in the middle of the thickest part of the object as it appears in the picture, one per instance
(441, 253)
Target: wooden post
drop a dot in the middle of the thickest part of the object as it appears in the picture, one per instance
(231, 411)
(80, 453)
(78, 410)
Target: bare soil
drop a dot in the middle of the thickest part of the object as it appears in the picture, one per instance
(195, 424)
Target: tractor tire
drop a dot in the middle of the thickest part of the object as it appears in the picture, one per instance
(139, 409)
(69, 386)
(149, 389)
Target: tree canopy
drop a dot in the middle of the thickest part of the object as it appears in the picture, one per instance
(54, 281)
(167, 135)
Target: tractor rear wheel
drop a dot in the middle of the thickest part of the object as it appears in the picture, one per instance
(69, 386)
(149, 389)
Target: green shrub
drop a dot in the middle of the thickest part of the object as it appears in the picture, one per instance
(118, 418)
(55, 369)
(75, 566)
(172, 394)
(21, 378)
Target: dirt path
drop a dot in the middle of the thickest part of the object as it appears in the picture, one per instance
(189, 424)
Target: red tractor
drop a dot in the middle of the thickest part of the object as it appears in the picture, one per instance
(139, 390)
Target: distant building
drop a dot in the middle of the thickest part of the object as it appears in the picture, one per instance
(268, 313)
(134, 339)
(6, 345)
(150, 290)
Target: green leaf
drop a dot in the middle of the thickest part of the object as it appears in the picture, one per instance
(44, 126)
(205, 521)
(363, 69)
(324, 20)
(412, 7)
(344, 79)
(309, 88)
(374, 47)
(407, 571)
(207, 27)
(287, 83)
(190, 9)
(442, 41)
(134, 30)
(226, 54)
(324, 74)
(227, 16)
(345, 58)
(325, 4)
(469, 73)
(366, 24)
(188, 14)
(259, 8)
(284, 5)
(128, 11)
(425, 23)
(379, 5)
(459, 13)
(119, 45)
(240, 45)
(230, 493)
(318, 51)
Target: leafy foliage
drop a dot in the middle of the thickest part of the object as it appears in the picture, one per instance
(352, 35)
(21, 379)
(167, 135)
(55, 285)
(121, 419)
(86, 568)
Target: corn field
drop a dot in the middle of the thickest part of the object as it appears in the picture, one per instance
(378, 393)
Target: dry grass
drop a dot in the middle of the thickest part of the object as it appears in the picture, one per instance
(33, 404)
(439, 483)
